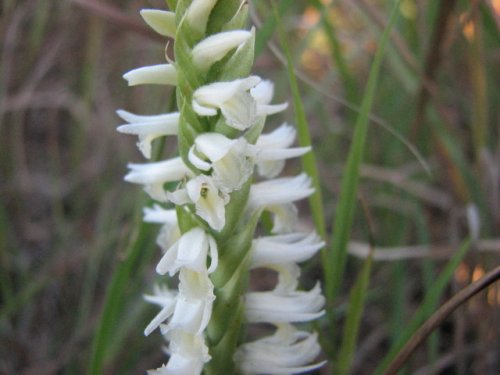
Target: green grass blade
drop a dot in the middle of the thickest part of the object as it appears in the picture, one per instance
(114, 302)
(337, 57)
(309, 159)
(334, 263)
(266, 30)
(430, 300)
(355, 310)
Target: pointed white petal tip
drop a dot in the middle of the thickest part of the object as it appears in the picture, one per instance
(162, 74)
(161, 21)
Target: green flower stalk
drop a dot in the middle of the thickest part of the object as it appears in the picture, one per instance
(226, 177)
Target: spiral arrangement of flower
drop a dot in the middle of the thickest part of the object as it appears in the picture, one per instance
(226, 175)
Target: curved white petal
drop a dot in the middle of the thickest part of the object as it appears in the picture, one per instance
(198, 12)
(162, 74)
(215, 47)
(161, 21)
(263, 92)
(296, 248)
(280, 191)
(189, 252)
(154, 175)
(272, 307)
(288, 351)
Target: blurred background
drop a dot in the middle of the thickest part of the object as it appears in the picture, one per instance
(430, 176)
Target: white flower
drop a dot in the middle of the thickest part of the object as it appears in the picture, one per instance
(238, 107)
(272, 149)
(279, 191)
(165, 298)
(263, 94)
(190, 252)
(277, 307)
(230, 159)
(215, 47)
(162, 74)
(288, 351)
(148, 128)
(154, 175)
(193, 307)
(294, 247)
(208, 199)
(161, 21)
(188, 354)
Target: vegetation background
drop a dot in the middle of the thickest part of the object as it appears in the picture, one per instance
(74, 260)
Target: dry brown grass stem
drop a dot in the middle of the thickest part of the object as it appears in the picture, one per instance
(439, 316)
(392, 254)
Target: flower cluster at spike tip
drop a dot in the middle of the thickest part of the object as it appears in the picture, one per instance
(210, 218)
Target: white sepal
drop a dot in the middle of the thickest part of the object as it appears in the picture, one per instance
(263, 94)
(161, 21)
(162, 74)
(280, 191)
(288, 351)
(271, 150)
(165, 298)
(293, 247)
(215, 47)
(148, 128)
(154, 175)
(275, 307)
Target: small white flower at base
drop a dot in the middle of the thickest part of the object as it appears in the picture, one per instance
(162, 74)
(190, 252)
(215, 47)
(161, 21)
(148, 128)
(288, 351)
(154, 175)
(232, 98)
(208, 199)
(188, 354)
(230, 159)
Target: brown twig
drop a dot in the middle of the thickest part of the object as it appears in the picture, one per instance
(439, 316)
